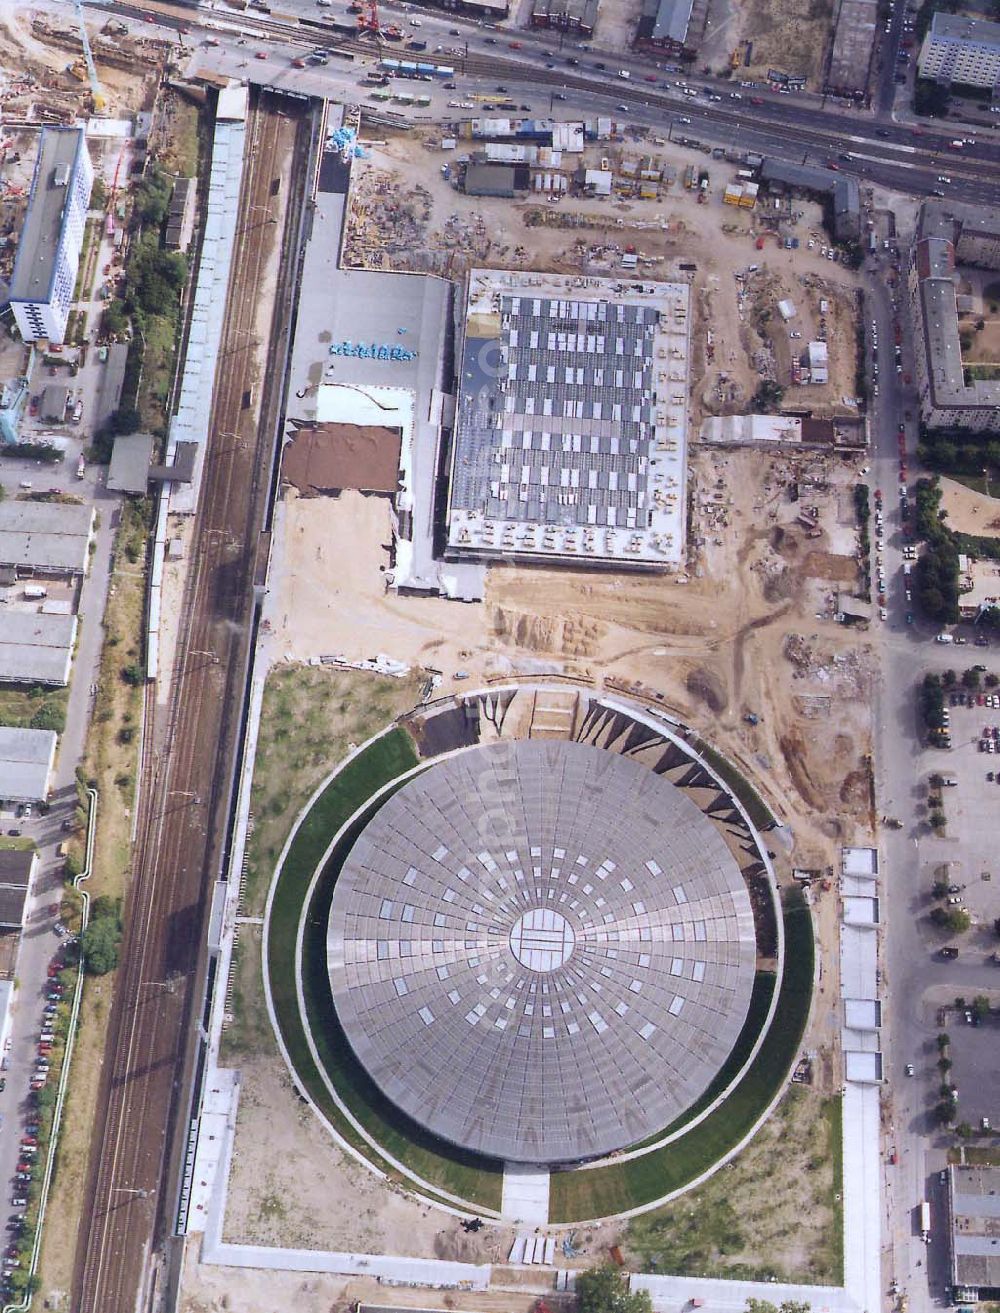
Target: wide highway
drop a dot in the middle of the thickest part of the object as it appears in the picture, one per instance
(574, 78)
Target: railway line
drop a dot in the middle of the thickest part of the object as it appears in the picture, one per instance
(186, 768)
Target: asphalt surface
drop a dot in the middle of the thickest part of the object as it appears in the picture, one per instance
(535, 66)
(186, 784)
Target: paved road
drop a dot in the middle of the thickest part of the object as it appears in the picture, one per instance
(38, 942)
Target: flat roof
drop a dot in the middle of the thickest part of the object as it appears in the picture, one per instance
(12, 900)
(16, 865)
(39, 242)
(862, 1013)
(860, 861)
(665, 20)
(26, 757)
(45, 535)
(36, 648)
(324, 458)
(955, 27)
(853, 42)
(131, 457)
(974, 1195)
(541, 951)
(863, 1066)
(571, 428)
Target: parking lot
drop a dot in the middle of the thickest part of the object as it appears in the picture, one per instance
(972, 810)
(975, 1054)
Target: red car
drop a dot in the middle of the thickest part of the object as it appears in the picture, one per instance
(29, 1141)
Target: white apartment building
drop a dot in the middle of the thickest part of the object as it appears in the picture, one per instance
(48, 252)
(965, 50)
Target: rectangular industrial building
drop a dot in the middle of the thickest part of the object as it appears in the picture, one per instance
(974, 1232)
(48, 252)
(853, 43)
(16, 870)
(963, 50)
(36, 648)
(570, 438)
(565, 15)
(664, 24)
(49, 538)
(26, 758)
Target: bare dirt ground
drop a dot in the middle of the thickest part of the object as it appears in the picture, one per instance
(750, 630)
(747, 629)
(789, 35)
(289, 1201)
(970, 511)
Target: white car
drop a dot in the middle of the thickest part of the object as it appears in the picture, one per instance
(883, 614)
(910, 1069)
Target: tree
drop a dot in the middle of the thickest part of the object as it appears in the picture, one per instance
(943, 1040)
(126, 419)
(980, 1007)
(939, 889)
(605, 1290)
(953, 919)
(936, 820)
(949, 679)
(100, 943)
(930, 99)
(114, 321)
(944, 1065)
(970, 679)
(996, 927)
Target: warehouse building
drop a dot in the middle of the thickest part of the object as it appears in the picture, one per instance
(566, 15)
(36, 648)
(853, 44)
(16, 871)
(950, 397)
(48, 252)
(663, 24)
(26, 759)
(570, 436)
(45, 538)
(843, 193)
(974, 1233)
(963, 50)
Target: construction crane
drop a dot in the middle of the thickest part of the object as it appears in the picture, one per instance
(97, 95)
(368, 21)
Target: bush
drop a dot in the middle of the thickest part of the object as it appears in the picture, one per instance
(605, 1290)
(953, 919)
(133, 674)
(100, 941)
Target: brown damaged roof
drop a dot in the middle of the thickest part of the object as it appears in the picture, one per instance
(326, 458)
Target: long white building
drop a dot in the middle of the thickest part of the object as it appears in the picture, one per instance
(965, 50)
(48, 253)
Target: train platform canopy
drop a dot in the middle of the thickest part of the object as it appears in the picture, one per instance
(26, 757)
(36, 648)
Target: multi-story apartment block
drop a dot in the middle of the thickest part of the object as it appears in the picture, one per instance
(965, 50)
(48, 252)
(949, 397)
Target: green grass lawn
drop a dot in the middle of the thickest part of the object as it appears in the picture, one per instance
(757, 809)
(31, 706)
(579, 1195)
(441, 1165)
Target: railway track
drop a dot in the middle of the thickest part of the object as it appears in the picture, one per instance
(187, 762)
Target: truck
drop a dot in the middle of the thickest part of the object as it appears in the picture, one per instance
(81, 467)
(35, 592)
(924, 1221)
(689, 176)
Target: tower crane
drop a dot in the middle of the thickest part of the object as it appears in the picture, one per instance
(95, 86)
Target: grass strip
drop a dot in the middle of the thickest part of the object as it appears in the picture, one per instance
(756, 808)
(449, 1168)
(577, 1196)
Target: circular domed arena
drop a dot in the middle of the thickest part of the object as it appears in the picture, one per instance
(541, 951)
